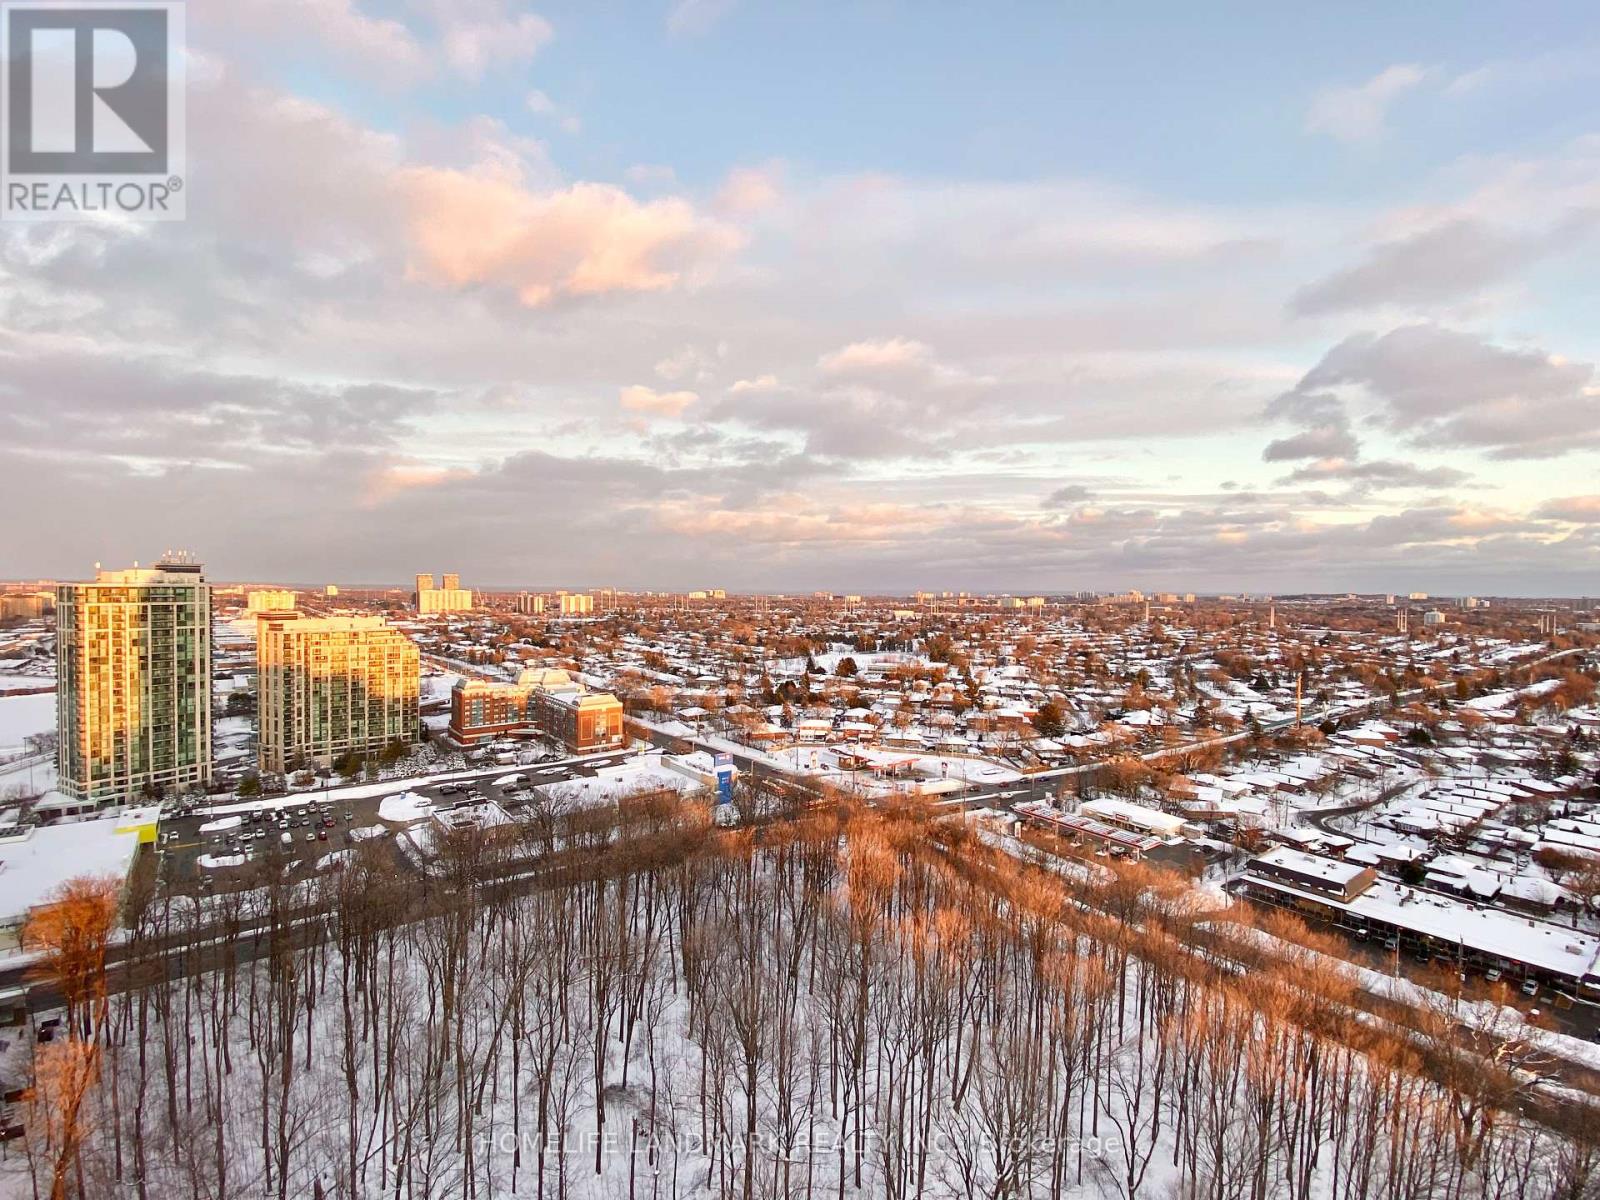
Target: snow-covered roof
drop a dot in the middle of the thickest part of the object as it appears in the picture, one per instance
(31, 867)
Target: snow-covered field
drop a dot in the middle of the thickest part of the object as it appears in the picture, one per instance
(23, 716)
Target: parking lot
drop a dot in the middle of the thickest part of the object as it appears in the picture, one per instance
(306, 831)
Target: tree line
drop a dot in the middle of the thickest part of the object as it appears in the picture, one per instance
(842, 1003)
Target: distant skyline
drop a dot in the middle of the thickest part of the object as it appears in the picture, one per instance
(501, 588)
(862, 297)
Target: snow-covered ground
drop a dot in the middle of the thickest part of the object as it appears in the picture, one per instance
(404, 808)
(23, 716)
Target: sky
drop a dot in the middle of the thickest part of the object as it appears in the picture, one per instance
(869, 297)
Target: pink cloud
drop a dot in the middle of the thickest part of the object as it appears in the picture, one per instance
(641, 399)
(486, 227)
(1580, 510)
(788, 520)
(876, 355)
(389, 482)
(750, 190)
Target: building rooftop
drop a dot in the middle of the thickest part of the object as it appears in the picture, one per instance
(33, 866)
(1312, 866)
(1489, 931)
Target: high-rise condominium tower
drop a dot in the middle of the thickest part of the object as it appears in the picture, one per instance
(331, 686)
(133, 699)
(437, 601)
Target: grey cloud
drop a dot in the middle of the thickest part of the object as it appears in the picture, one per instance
(1069, 494)
(1443, 387)
(1446, 262)
(1378, 473)
(159, 408)
(1581, 510)
(1321, 441)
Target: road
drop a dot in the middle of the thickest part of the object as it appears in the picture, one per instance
(181, 842)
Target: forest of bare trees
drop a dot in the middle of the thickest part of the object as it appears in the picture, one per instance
(846, 1003)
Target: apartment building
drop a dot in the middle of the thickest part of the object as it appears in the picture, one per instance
(449, 597)
(28, 606)
(576, 604)
(331, 686)
(264, 600)
(133, 664)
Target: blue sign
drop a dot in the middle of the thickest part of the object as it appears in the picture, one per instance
(725, 770)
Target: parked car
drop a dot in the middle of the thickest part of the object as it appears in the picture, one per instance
(1493, 974)
(1530, 988)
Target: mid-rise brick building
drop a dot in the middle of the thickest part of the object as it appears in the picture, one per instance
(540, 701)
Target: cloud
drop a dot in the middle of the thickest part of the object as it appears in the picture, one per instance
(465, 38)
(486, 227)
(792, 519)
(1444, 262)
(1580, 510)
(693, 17)
(749, 191)
(1331, 441)
(475, 47)
(1359, 113)
(540, 104)
(1378, 473)
(1444, 387)
(386, 482)
(689, 362)
(1070, 493)
(1538, 72)
(379, 46)
(118, 403)
(875, 357)
(902, 373)
(641, 399)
